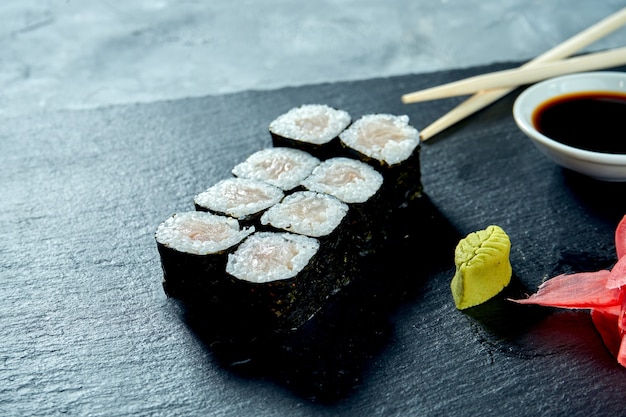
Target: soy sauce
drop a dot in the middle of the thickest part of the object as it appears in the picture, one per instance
(591, 120)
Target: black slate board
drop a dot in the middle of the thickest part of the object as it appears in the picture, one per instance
(87, 329)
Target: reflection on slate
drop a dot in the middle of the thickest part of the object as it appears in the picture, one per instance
(324, 359)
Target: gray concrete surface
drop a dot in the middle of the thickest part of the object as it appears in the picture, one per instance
(68, 54)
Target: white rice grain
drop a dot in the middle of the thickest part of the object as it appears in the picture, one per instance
(239, 197)
(200, 233)
(268, 256)
(313, 123)
(307, 213)
(282, 167)
(348, 179)
(384, 137)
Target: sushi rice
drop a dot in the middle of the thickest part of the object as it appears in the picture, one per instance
(239, 197)
(269, 256)
(350, 180)
(312, 123)
(306, 212)
(281, 166)
(384, 137)
(200, 233)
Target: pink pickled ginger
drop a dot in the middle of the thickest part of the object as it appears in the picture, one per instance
(602, 292)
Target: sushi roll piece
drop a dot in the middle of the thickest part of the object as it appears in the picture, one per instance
(194, 248)
(320, 216)
(392, 146)
(350, 180)
(282, 167)
(268, 256)
(314, 128)
(241, 198)
(279, 279)
(358, 185)
(307, 213)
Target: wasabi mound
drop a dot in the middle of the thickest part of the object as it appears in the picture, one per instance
(483, 268)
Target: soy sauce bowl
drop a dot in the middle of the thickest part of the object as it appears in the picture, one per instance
(603, 166)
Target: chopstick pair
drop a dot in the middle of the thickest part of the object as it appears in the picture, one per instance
(520, 76)
(563, 50)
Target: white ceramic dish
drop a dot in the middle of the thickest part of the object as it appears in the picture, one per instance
(602, 166)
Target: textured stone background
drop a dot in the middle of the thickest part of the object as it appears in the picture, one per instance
(75, 54)
(92, 158)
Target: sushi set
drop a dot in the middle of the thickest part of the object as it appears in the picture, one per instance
(296, 222)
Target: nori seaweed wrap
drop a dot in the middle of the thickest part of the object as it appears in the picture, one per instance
(392, 146)
(194, 247)
(357, 184)
(325, 218)
(280, 280)
(313, 128)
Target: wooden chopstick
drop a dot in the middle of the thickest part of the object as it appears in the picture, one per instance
(565, 49)
(520, 76)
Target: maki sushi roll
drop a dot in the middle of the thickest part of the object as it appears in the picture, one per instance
(347, 179)
(268, 247)
(242, 198)
(357, 184)
(194, 248)
(392, 146)
(307, 213)
(323, 217)
(282, 167)
(314, 128)
(267, 257)
(385, 138)
(279, 279)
